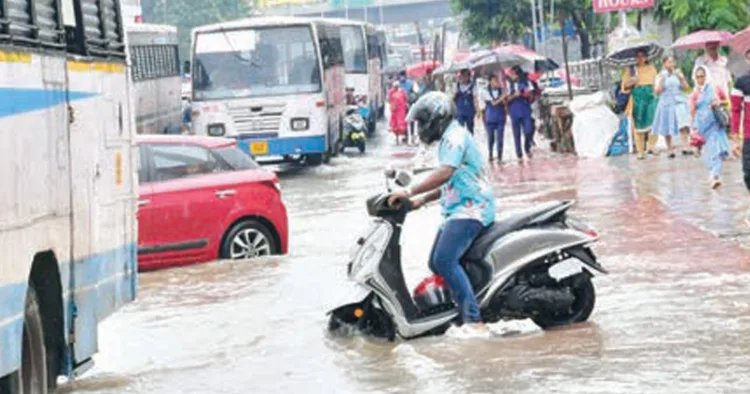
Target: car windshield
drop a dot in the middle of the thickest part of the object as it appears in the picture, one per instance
(236, 158)
(255, 62)
(353, 43)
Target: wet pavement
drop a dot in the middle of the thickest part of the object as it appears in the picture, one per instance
(671, 317)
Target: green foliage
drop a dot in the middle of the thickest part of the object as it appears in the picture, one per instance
(494, 20)
(692, 15)
(188, 14)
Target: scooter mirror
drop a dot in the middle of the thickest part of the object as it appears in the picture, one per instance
(403, 179)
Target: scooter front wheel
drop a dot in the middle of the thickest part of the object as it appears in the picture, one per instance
(363, 317)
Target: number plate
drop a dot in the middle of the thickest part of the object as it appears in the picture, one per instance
(259, 148)
(565, 269)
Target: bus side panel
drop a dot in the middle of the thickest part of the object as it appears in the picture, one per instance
(158, 104)
(35, 197)
(104, 197)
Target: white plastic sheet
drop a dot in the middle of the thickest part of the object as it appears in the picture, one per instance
(594, 125)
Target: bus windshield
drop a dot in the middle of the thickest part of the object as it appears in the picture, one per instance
(355, 55)
(255, 62)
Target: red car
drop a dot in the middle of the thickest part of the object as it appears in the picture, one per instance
(201, 199)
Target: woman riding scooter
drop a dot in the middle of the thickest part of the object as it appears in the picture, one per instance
(461, 183)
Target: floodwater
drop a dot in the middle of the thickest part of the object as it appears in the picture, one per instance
(671, 317)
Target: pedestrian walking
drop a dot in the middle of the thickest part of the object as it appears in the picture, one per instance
(409, 87)
(466, 101)
(639, 80)
(495, 98)
(519, 106)
(704, 100)
(716, 64)
(741, 121)
(398, 101)
(672, 117)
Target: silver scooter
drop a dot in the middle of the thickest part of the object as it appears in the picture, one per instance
(537, 264)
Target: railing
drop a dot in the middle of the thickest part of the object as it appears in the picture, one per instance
(592, 73)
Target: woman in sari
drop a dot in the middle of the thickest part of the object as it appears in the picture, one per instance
(398, 100)
(704, 98)
(639, 80)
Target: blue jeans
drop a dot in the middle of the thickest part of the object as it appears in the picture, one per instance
(452, 241)
(466, 121)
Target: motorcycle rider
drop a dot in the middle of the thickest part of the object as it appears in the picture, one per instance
(462, 185)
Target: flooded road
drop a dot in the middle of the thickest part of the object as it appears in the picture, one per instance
(673, 315)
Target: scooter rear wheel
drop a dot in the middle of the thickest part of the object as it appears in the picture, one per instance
(585, 294)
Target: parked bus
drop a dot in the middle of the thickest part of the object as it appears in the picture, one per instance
(157, 80)
(274, 83)
(67, 205)
(362, 60)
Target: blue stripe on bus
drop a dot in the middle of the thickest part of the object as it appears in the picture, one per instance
(15, 101)
(92, 304)
(287, 146)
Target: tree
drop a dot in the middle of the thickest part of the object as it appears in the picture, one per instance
(507, 20)
(189, 14)
(486, 21)
(692, 15)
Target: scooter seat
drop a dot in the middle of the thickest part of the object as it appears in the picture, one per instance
(505, 226)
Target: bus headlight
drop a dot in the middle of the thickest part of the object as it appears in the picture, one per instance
(299, 124)
(216, 130)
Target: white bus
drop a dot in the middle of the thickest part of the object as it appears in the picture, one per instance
(274, 83)
(68, 201)
(157, 80)
(362, 59)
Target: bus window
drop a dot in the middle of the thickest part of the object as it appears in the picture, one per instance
(355, 55)
(255, 62)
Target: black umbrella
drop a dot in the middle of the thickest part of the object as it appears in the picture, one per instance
(625, 56)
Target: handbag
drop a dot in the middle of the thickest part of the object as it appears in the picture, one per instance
(721, 115)
(697, 140)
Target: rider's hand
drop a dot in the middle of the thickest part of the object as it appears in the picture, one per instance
(416, 203)
(398, 195)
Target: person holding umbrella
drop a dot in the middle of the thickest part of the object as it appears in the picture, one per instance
(716, 64)
(639, 81)
(465, 100)
(519, 106)
(495, 98)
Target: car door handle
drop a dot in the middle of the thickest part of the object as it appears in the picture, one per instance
(143, 203)
(226, 193)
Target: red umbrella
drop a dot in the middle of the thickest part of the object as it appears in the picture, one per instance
(699, 39)
(741, 41)
(420, 69)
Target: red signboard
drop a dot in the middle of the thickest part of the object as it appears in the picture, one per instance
(617, 5)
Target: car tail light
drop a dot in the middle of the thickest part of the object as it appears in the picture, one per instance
(320, 103)
(582, 227)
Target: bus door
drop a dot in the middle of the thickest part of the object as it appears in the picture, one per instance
(103, 270)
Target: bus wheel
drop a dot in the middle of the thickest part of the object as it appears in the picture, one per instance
(314, 159)
(32, 376)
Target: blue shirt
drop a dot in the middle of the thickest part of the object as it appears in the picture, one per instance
(407, 85)
(467, 194)
(520, 107)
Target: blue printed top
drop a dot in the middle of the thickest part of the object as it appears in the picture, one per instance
(467, 194)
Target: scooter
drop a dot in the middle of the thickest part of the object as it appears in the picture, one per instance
(537, 264)
(355, 129)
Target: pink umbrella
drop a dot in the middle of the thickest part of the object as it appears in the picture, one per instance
(420, 69)
(699, 39)
(741, 41)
